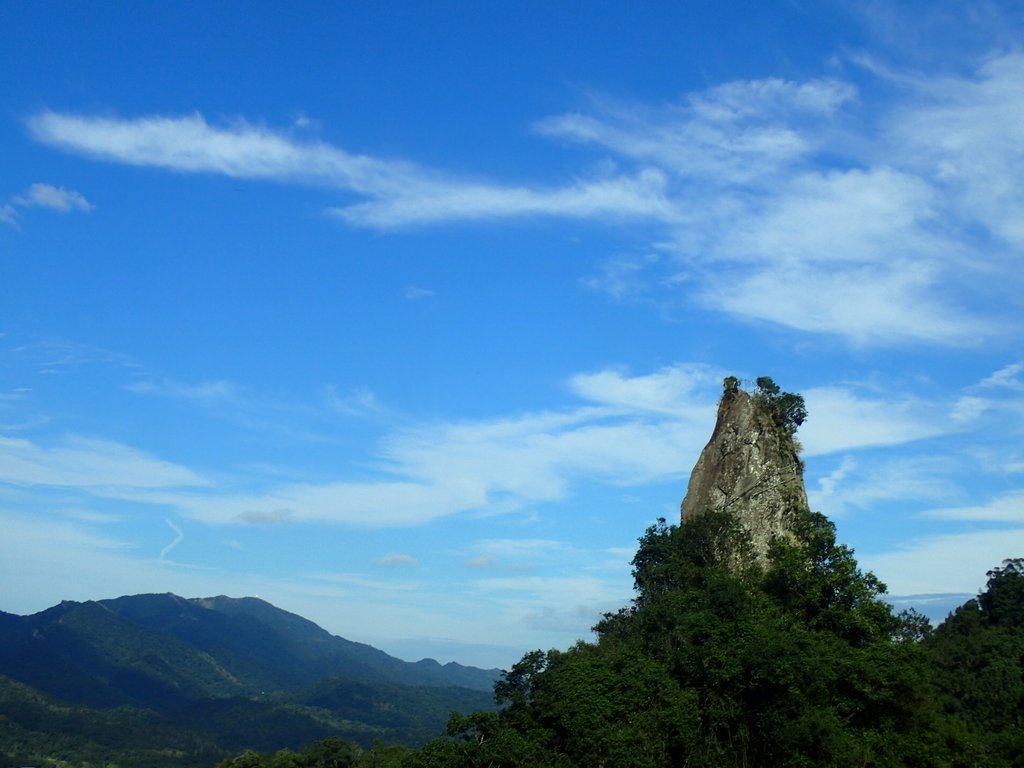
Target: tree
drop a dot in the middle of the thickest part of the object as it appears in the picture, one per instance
(977, 659)
(787, 409)
(1002, 602)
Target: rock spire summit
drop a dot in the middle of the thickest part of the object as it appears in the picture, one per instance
(750, 467)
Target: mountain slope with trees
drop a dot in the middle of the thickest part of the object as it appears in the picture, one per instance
(779, 652)
(159, 680)
(745, 645)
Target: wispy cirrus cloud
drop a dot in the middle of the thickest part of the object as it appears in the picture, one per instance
(100, 465)
(625, 430)
(825, 206)
(401, 193)
(944, 563)
(361, 401)
(203, 393)
(54, 198)
(670, 390)
(179, 536)
(239, 149)
(736, 133)
(813, 207)
(43, 196)
(867, 484)
(1006, 508)
(617, 428)
(1007, 377)
(8, 215)
(845, 419)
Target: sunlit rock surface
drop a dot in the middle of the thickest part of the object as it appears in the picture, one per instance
(750, 469)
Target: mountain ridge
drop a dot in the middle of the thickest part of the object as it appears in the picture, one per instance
(186, 647)
(164, 681)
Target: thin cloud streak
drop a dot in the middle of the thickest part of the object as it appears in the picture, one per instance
(98, 465)
(782, 203)
(403, 193)
(241, 150)
(179, 536)
(625, 430)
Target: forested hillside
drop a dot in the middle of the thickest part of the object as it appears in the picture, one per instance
(799, 664)
(754, 639)
(160, 680)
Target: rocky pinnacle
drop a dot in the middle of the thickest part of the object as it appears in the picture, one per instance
(749, 469)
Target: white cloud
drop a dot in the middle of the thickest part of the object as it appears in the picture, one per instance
(868, 483)
(842, 420)
(42, 196)
(397, 560)
(969, 408)
(827, 485)
(481, 562)
(629, 276)
(413, 292)
(42, 555)
(361, 401)
(96, 465)
(1006, 377)
(54, 198)
(520, 548)
(953, 563)
(812, 205)
(569, 604)
(239, 150)
(380, 504)
(1008, 508)
(546, 591)
(401, 193)
(362, 581)
(8, 215)
(877, 250)
(205, 393)
(627, 431)
(615, 197)
(179, 536)
(735, 133)
(517, 554)
(965, 134)
(867, 304)
(675, 390)
(634, 430)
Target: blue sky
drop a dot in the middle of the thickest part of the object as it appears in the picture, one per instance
(412, 319)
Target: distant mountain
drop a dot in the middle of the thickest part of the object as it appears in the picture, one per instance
(163, 650)
(214, 673)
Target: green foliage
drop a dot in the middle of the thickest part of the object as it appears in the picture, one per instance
(977, 658)
(327, 753)
(786, 409)
(1002, 602)
(159, 681)
(801, 664)
(818, 581)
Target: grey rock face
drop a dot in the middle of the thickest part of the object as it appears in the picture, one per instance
(749, 469)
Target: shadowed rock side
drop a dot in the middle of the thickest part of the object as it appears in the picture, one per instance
(749, 469)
